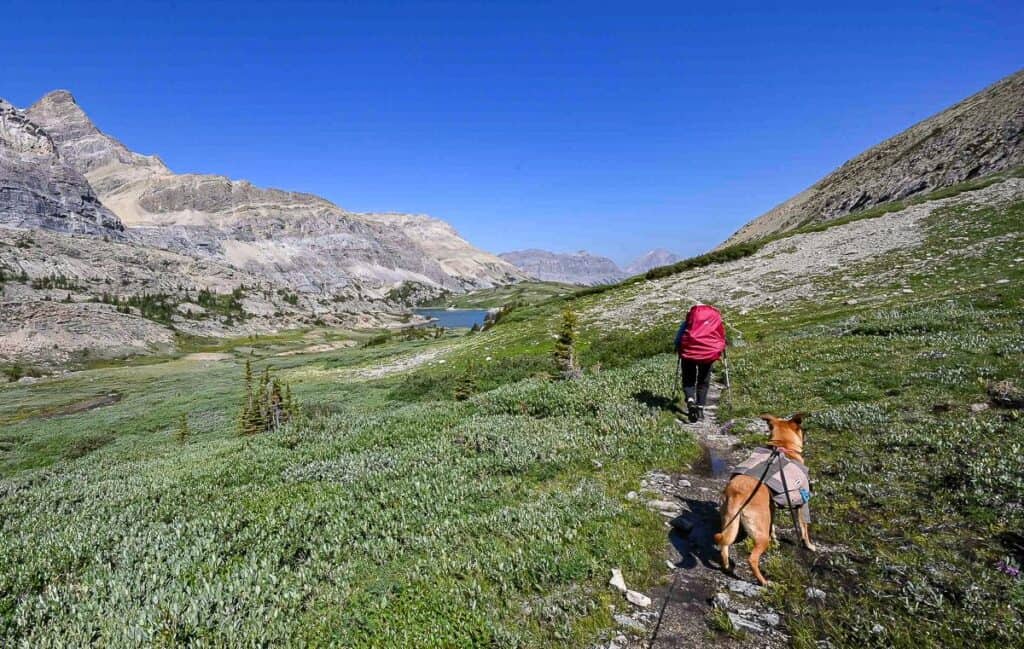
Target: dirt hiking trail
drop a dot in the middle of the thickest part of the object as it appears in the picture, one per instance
(702, 592)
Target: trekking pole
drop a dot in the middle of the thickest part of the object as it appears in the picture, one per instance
(725, 361)
(679, 373)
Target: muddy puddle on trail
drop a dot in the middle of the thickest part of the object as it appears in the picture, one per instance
(712, 463)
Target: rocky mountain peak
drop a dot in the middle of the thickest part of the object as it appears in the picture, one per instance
(652, 259)
(979, 136)
(293, 238)
(38, 188)
(83, 144)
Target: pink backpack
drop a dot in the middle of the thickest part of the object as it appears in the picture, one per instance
(704, 339)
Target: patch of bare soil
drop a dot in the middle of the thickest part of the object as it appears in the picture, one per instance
(207, 356)
(398, 365)
(322, 347)
(82, 406)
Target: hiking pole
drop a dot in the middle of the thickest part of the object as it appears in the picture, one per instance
(679, 373)
(725, 362)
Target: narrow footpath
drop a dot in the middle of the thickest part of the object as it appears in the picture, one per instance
(696, 595)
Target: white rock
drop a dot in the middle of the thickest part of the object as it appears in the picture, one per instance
(771, 619)
(744, 587)
(629, 623)
(617, 582)
(878, 628)
(685, 483)
(638, 599)
(662, 505)
(740, 622)
(722, 601)
(632, 495)
(815, 593)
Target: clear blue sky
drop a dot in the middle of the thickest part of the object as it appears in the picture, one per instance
(610, 127)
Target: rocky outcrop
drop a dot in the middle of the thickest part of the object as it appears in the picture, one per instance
(38, 188)
(57, 332)
(653, 259)
(299, 239)
(979, 136)
(60, 292)
(580, 267)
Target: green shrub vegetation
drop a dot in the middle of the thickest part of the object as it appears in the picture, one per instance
(477, 502)
(55, 281)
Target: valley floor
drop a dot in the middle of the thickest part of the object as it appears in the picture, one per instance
(451, 492)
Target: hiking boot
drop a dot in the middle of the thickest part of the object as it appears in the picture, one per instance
(692, 412)
(700, 413)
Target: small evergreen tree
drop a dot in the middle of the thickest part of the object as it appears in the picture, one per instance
(465, 386)
(565, 346)
(265, 406)
(184, 432)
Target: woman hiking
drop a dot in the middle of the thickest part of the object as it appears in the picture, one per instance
(700, 342)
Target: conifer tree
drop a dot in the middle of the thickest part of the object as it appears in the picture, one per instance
(565, 345)
(465, 386)
(183, 433)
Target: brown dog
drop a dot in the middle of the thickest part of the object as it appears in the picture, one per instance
(756, 516)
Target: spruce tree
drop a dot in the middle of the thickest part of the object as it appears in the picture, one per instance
(183, 433)
(565, 345)
(465, 386)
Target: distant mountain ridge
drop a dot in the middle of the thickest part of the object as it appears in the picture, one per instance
(653, 259)
(299, 239)
(980, 135)
(583, 268)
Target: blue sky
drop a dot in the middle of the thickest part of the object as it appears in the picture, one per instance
(614, 127)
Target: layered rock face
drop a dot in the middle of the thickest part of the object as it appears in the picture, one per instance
(39, 189)
(574, 268)
(295, 238)
(189, 253)
(653, 259)
(979, 136)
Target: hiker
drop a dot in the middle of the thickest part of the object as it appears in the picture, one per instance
(700, 342)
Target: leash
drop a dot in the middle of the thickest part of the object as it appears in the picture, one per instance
(661, 613)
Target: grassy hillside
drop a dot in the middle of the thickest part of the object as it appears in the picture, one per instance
(395, 514)
(522, 293)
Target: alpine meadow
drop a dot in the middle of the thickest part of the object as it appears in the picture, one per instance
(225, 423)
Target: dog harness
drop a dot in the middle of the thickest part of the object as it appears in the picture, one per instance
(798, 479)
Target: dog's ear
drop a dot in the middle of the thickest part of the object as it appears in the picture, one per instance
(798, 418)
(771, 419)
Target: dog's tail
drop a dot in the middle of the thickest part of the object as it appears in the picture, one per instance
(730, 529)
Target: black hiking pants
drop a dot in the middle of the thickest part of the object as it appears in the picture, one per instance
(696, 379)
